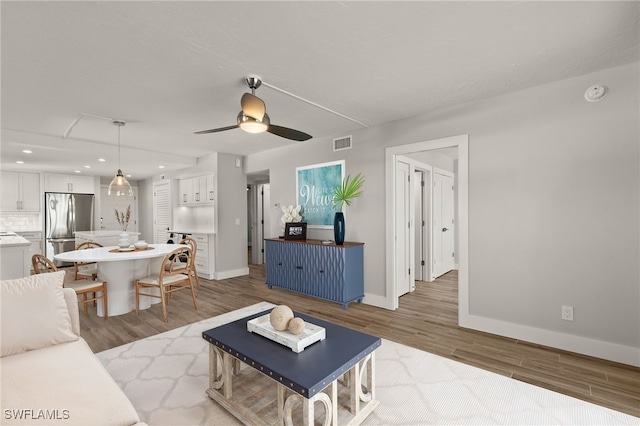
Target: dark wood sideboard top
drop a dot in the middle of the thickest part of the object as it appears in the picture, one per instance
(315, 242)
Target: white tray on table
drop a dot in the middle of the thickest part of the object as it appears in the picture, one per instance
(311, 334)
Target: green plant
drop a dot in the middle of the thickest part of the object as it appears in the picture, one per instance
(350, 189)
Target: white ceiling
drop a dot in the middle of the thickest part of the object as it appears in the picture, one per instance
(171, 68)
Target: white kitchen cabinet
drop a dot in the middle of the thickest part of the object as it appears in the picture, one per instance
(35, 238)
(69, 183)
(20, 192)
(197, 190)
(205, 263)
(185, 186)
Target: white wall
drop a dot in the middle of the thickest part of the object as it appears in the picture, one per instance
(554, 191)
(231, 227)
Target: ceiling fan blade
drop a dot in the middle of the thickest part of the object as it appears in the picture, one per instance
(287, 133)
(253, 106)
(219, 129)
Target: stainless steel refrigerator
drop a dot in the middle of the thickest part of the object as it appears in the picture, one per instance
(64, 215)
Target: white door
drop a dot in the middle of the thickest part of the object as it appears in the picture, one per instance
(443, 224)
(260, 203)
(161, 212)
(418, 230)
(404, 261)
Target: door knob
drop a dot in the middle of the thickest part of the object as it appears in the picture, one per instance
(444, 229)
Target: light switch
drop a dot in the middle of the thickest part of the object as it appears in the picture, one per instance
(237, 162)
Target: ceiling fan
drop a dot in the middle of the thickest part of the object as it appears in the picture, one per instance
(253, 117)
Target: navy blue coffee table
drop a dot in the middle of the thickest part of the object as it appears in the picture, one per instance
(261, 381)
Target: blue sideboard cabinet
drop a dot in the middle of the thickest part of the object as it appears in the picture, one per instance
(326, 271)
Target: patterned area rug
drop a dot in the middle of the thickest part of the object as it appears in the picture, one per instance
(165, 377)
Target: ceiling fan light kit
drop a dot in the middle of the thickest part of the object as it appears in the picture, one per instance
(119, 186)
(252, 125)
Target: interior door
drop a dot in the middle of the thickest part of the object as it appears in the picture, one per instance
(161, 212)
(443, 224)
(404, 261)
(418, 230)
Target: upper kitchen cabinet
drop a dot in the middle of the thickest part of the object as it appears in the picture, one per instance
(196, 191)
(69, 183)
(20, 192)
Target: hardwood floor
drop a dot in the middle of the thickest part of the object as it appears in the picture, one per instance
(426, 319)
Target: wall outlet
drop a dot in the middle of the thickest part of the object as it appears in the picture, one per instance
(567, 313)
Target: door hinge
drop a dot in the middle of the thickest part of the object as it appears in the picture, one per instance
(453, 187)
(408, 178)
(453, 254)
(422, 263)
(422, 183)
(423, 223)
(409, 225)
(409, 271)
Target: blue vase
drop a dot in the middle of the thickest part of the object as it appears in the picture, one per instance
(338, 228)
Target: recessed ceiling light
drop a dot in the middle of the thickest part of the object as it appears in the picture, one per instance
(76, 171)
(161, 167)
(102, 160)
(87, 167)
(27, 151)
(128, 175)
(20, 162)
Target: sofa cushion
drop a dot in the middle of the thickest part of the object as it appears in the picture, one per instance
(61, 384)
(33, 313)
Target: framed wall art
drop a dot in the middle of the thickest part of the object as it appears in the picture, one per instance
(314, 191)
(295, 231)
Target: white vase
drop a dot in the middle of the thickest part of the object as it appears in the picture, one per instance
(123, 241)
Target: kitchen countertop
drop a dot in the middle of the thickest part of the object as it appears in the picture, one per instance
(13, 240)
(104, 233)
(191, 231)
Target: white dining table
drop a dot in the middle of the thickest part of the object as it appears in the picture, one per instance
(121, 269)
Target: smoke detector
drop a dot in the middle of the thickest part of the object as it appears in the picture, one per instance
(596, 92)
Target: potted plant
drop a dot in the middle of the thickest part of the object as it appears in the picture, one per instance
(345, 194)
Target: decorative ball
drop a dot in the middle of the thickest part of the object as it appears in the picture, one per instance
(296, 326)
(280, 317)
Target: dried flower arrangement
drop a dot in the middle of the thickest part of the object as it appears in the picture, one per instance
(123, 218)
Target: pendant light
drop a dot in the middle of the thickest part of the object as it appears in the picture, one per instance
(119, 185)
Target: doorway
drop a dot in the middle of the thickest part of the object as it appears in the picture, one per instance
(258, 202)
(391, 155)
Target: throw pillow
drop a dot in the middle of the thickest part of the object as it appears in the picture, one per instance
(33, 313)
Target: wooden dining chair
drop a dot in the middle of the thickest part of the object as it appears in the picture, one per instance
(174, 275)
(88, 270)
(90, 290)
(194, 249)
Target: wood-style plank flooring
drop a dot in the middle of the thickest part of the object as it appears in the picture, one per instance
(426, 320)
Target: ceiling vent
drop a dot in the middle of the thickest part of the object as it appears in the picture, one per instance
(342, 143)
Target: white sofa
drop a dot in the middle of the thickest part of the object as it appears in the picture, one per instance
(49, 375)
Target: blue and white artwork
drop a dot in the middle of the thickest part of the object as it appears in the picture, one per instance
(315, 185)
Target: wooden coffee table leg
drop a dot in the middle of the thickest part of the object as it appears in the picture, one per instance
(286, 405)
(356, 393)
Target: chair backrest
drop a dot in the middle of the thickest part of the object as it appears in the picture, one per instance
(80, 267)
(88, 245)
(191, 243)
(172, 263)
(42, 265)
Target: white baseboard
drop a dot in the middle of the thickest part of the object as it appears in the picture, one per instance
(582, 345)
(223, 275)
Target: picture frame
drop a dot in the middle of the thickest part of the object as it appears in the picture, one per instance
(314, 192)
(295, 231)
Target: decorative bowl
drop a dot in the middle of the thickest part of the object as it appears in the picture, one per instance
(141, 245)
(124, 245)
